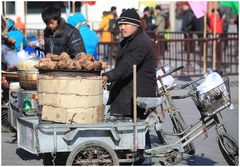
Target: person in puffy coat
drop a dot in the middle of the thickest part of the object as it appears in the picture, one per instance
(60, 36)
(90, 37)
(17, 35)
(106, 36)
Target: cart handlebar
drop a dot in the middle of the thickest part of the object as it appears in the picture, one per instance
(170, 72)
(181, 97)
(188, 84)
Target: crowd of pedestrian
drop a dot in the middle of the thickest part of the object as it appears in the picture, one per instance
(153, 19)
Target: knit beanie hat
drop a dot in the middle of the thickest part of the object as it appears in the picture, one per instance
(146, 9)
(129, 16)
(158, 7)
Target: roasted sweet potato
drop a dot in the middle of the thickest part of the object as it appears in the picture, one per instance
(55, 57)
(64, 56)
(45, 59)
(80, 55)
(43, 64)
(88, 65)
(52, 65)
(89, 57)
(85, 58)
(96, 65)
(61, 64)
(49, 55)
(103, 65)
(77, 65)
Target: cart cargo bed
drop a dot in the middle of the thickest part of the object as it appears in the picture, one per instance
(42, 137)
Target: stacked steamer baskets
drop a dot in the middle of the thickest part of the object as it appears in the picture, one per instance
(73, 93)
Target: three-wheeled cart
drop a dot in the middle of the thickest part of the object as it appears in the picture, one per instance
(107, 143)
(122, 140)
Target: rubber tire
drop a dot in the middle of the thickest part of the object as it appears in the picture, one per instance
(61, 158)
(75, 151)
(223, 149)
(47, 159)
(190, 148)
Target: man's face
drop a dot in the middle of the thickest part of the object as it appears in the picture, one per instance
(157, 11)
(127, 30)
(147, 13)
(185, 7)
(52, 24)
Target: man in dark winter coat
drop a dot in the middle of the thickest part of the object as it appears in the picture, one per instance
(135, 48)
(60, 36)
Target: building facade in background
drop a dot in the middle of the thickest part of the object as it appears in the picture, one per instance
(30, 11)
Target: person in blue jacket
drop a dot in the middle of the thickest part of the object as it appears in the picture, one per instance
(90, 38)
(17, 35)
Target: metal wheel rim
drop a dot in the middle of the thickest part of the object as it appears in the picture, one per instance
(230, 148)
(5, 119)
(189, 148)
(94, 156)
(174, 157)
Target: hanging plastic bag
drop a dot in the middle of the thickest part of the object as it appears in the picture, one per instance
(212, 80)
(105, 96)
(212, 90)
(168, 81)
(105, 100)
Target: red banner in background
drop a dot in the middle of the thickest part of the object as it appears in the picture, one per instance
(91, 3)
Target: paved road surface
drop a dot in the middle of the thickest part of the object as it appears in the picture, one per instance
(207, 151)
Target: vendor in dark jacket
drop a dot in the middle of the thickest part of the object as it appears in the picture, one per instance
(60, 36)
(135, 48)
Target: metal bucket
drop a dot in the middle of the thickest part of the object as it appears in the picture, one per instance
(28, 79)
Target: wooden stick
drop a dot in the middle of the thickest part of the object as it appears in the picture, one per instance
(134, 94)
(204, 45)
(214, 41)
(9, 72)
(134, 107)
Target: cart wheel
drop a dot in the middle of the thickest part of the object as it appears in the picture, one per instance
(229, 148)
(178, 128)
(93, 153)
(6, 126)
